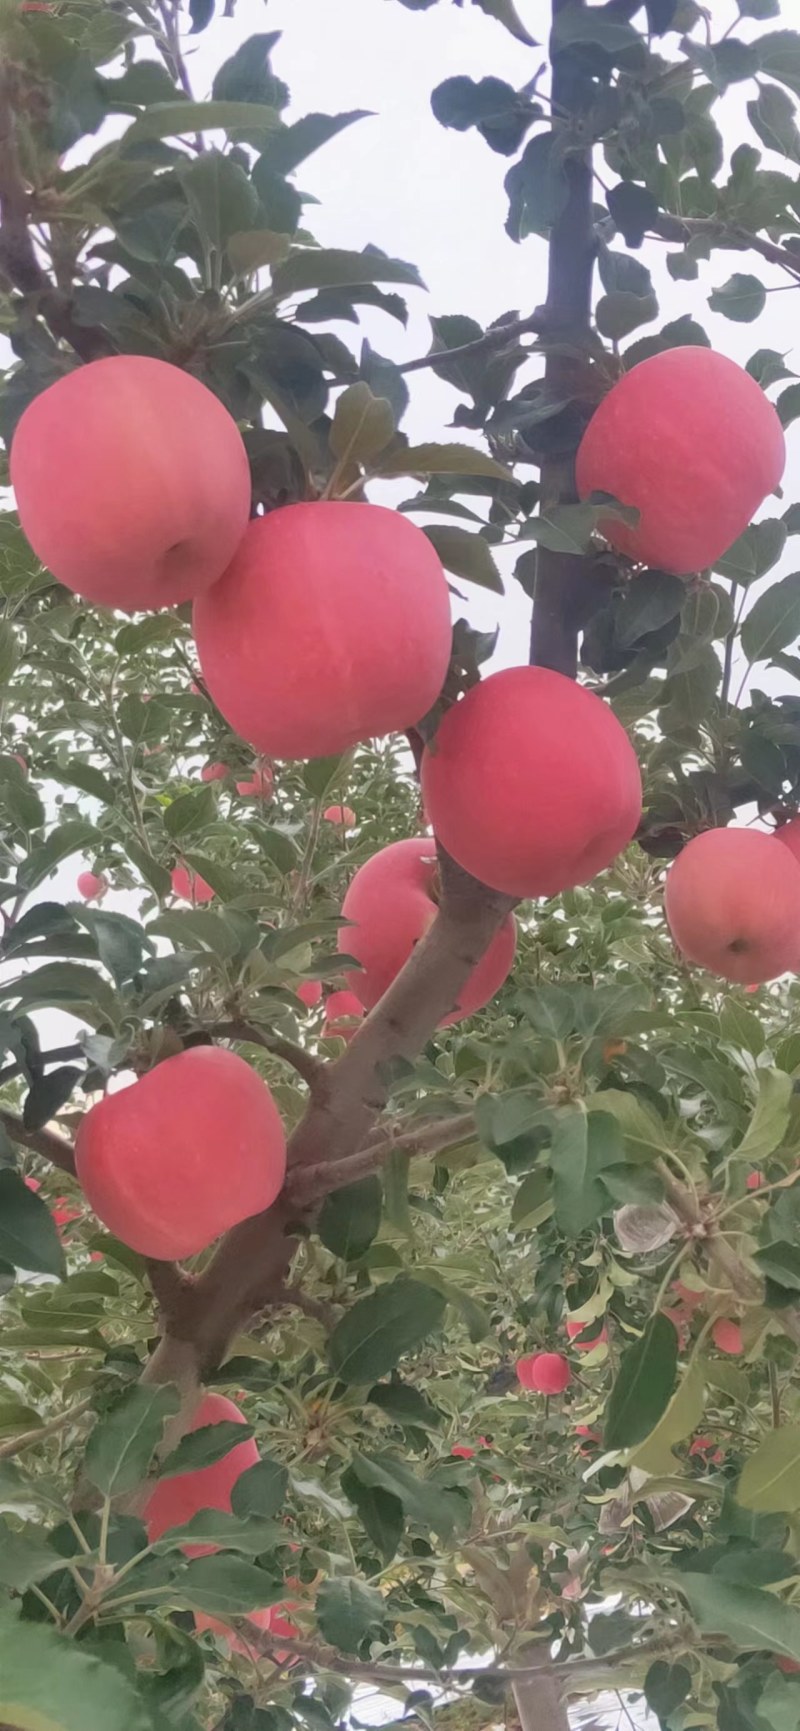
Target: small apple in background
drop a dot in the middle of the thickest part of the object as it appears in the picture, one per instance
(727, 1337)
(260, 785)
(390, 903)
(176, 1159)
(190, 886)
(174, 1501)
(33, 1184)
(343, 815)
(754, 1180)
(91, 885)
(465, 1453)
(309, 993)
(148, 506)
(214, 771)
(690, 440)
(343, 1012)
(330, 626)
(63, 1213)
(732, 901)
(531, 783)
(575, 1329)
(544, 1372)
(705, 1445)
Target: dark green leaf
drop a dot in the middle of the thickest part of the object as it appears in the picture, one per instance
(349, 1218)
(375, 1333)
(290, 145)
(770, 1480)
(773, 117)
(121, 942)
(750, 1617)
(465, 554)
(665, 1687)
(48, 1094)
(755, 552)
(741, 298)
(200, 1448)
(788, 405)
(25, 1557)
(172, 119)
(404, 1405)
(643, 1385)
(122, 1444)
(225, 1586)
(347, 1611)
(380, 1513)
(774, 621)
(318, 267)
(261, 1491)
(41, 1673)
(28, 1236)
(537, 188)
(67, 838)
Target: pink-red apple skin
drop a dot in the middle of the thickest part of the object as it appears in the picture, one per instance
(185, 1153)
(175, 1501)
(732, 901)
(132, 482)
(544, 1372)
(531, 783)
(190, 886)
(330, 626)
(343, 815)
(91, 885)
(391, 904)
(691, 441)
(214, 771)
(343, 1012)
(259, 785)
(310, 993)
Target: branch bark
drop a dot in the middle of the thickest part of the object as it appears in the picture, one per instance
(48, 1143)
(683, 229)
(314, 1182)
(564, 581)
(498, 337)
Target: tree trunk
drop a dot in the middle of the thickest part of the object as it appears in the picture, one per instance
(539, 1705)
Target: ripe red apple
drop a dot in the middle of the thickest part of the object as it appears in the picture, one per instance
(531, 784)
(754, 1180)
(175, 1501)
(544, 1372)
(260, 785)
(343, 1012)
(575, 1329)
(690, 439)
(34, 1184)
(190, 886)
(214, 771)
(732, 902)
(309, 993)
(330, 626)
(705, 1445)
(462, 1451)
(132, 482)
(341, 814)
(391, 904)
(91, 885)
(174, 1160)
(727, 1336)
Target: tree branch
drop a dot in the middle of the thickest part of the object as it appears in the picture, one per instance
(27, 1438)
(312, 1070)
(562, 591)
(683, 229)
(314, 1182)
(48, 1143)
(58, 1055)
(18, 256)
(495, 338)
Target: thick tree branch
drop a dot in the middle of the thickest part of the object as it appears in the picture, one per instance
(562, 592)
(314, 1182)
(48, 1143)
(452, 1677)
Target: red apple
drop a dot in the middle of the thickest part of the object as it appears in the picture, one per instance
(330, 626)
(341, 814)
(260, 785)
(598, 1338)
(463, 1451)
(190, 886)
(391, 903)
(132, 482)
(531, 784)
(754, 1180)
(63, 1214)
(544, 1372)
(238, 1643)
(91, 885)
(691, 441)
(732, 902)
(705, 1445)
(174, 1160)
(727, 1336)
(175, 1501)
(343, 1012)
(309, 993)
(214, 771)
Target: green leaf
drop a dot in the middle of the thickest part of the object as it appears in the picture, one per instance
(224, 1531)
(533, 1203)
(583, 1145)
(122, 1444)
(772, 117)
(506, 13)
(665, 1687)
(404, 1405)
(177, 119)
(349, 1218)
(767, 366)
(380, 1513)
(441, 460)
(190, 811)
(9, 654)
(362, 426)
(25, 1557)
(748, 1616)
(67, 838)
(643, 1129)
(465, 554)
(619, 313)
(643, 1385)
(28, 1235)
(549, 1009)
(63, 983)
(200, 1448)
(788, 405)
(755, 552)
(779, 56)
(374, 1334)
(290, 145)
(261, 1490)
(121, 942)
(780, 1262)
(221, 197)
(770, 1119)
(250, 249)
(225, 1586)
(321, 267)
(347, 1611)
(682, 1416)
(537, 188)
(48, 1683)
(742, 298)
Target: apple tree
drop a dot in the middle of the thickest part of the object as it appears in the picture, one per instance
(399, 1260)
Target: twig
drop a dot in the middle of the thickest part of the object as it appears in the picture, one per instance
(48, 1143)
(313, 1182)
(322, 1312)
(58, 1055)
(306, 1065)
(730, 640)
(496, 338)
(28, 1437)
(683, 229)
